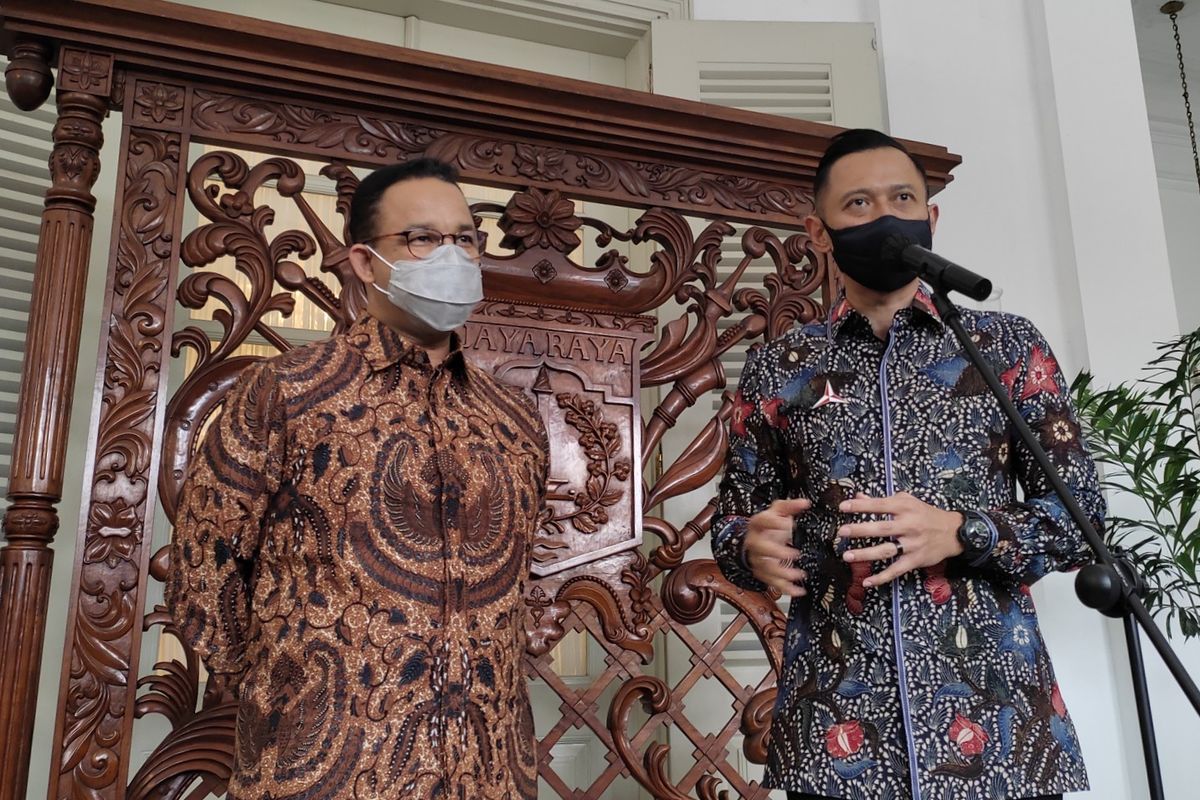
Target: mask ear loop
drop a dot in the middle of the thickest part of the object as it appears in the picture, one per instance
(375, 253)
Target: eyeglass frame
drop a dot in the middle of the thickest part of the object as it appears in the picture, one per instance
(479, 246)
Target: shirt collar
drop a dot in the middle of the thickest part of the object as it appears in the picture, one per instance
(382, 347)
(922, 305)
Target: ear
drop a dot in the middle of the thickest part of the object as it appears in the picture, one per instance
(362, 261)
(933, 217)
(818, 234)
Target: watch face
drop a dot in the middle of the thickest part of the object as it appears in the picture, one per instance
(976, 527)
(974, 534)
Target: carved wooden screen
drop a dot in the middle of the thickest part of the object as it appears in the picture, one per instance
(585, 337)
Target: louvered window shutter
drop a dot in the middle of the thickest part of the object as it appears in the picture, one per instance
(799, 91)
(821, 72)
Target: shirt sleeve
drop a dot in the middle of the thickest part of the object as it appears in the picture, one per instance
(1032, 537)
(752, 480)
(222, 512)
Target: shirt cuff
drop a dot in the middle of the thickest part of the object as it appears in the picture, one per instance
(729, 550)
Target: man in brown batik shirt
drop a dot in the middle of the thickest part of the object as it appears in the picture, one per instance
(352, 541)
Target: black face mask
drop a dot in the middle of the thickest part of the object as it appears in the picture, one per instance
(858, 251)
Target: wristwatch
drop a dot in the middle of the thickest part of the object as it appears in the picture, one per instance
(976, 536)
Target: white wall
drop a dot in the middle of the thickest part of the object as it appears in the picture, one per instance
(369, 25)
(1176, 173)
(1057, 201)
(431, 36)
(1181, 210)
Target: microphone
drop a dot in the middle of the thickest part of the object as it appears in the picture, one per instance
(941, 273)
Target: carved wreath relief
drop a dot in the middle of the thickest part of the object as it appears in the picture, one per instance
(583, 381)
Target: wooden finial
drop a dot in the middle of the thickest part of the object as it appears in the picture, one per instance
(27, 76)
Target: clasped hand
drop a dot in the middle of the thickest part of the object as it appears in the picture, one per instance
(919, 535)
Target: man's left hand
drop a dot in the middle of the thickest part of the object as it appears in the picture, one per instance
(921, 535)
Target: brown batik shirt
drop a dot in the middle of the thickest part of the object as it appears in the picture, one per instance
(351, 547)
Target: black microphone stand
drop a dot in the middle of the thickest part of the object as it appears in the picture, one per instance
(1110, 585)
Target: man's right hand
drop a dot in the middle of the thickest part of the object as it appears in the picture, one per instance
(768, 547)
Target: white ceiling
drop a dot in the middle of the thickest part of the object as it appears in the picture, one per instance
(1155, 40)
(1160, 79)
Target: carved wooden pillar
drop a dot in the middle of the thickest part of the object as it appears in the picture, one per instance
(47, 386)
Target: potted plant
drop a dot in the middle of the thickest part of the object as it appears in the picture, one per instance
(1144, 436)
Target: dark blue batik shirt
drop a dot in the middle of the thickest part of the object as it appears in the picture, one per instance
(937, 686)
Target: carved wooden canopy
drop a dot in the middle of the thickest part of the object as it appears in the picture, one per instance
(217, 112)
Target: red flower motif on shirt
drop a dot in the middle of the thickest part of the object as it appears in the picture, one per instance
(969, 737)
(1040, 374)
(840, 310)
(1056, 701)
(937, 585)
(771, 413)
(856, 593)
(923, 300)
(1009, 378)
(845, 739)
(742, 409)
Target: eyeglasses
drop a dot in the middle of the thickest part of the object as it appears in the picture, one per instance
(421, 242)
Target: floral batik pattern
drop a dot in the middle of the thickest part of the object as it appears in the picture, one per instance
(937, 686)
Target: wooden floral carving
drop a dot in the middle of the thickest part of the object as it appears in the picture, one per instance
(654, 307)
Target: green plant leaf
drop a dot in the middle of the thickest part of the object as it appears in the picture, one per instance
(1145, 436)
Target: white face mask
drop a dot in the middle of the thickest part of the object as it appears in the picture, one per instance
(441, 289)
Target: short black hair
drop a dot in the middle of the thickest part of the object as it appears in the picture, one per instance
(858, 140)
(365, 203)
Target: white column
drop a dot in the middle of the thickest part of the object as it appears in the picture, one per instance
(1111, 186)
(1127, 296)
